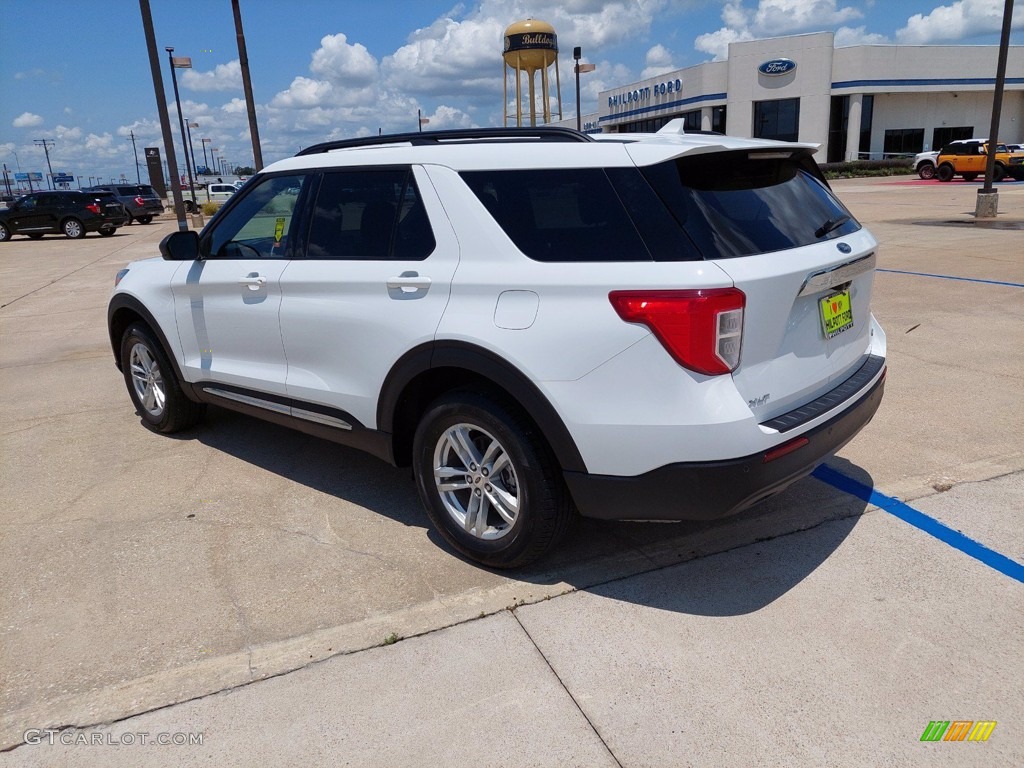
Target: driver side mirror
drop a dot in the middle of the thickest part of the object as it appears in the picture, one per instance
(180, 246)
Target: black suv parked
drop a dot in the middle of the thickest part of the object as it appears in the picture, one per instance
(139, 200)
(73, 213)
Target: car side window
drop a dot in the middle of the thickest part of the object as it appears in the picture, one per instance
(261, 224)
(370, 215)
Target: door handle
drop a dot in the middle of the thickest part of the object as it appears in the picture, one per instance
(409, 281)
(254, 280)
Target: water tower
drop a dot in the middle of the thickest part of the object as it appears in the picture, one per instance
(531, 45)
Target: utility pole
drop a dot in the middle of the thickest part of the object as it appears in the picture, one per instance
(250, 106)
(987, 205)
(161, 106)
(46, 144)
(205, 161)
(136, 151)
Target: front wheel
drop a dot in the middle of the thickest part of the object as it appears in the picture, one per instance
(998, 173)
(944, 172)
(73, 228)
(145, 219)
(488, 480)
(107, 232)
(970, 176)
(36, 236)
(152, 384)
(926, 171)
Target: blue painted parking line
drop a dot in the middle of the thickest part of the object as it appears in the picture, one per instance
(952, 277)
(922, 522)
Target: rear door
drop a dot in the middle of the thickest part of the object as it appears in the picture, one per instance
(803, 262)
(374, 283)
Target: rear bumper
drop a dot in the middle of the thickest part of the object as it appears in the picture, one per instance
(710, 490)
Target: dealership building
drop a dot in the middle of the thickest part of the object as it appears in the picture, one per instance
(862, 101)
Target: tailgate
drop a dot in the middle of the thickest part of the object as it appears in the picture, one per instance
(787, 358)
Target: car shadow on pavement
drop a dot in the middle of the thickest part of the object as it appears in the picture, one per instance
(746, 561)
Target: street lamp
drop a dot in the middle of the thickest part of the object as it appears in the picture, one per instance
(206, 162)
(182, 62)
(189, 125)
(577, 53)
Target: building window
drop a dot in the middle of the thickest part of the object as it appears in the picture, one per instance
(904, 141)
(718, 119)
(867, 110)
(778, 119)
(942, 136)
(691, 121)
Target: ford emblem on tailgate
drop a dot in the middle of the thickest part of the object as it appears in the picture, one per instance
(777, 67)
(844, 247)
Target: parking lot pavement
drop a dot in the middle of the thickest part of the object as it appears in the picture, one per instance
(141, 570)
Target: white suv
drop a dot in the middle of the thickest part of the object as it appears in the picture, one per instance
(648, 327)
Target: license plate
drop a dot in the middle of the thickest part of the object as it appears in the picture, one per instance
(836, 313)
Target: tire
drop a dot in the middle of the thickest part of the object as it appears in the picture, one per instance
(129, 220)
(73, 229)
(5, 233)
(152, 384)
(189, 208)
(502, 520)
(926, 171)
(970, 176)
(35, 236)
(107, 232)
(944, 172)
(145, 219)
(999, 172)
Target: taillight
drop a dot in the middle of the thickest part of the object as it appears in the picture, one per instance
(701, 329)
(94, 207)
(139, 201)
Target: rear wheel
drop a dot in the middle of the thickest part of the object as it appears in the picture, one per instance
(145, 219)
(926, 171)
(36, 236)
(489, 481)
(152, 384)
(107, 232)
(73, 228)
(944, 172)
(999, 172)
(970, 176)
(5, 233)
(129, 219)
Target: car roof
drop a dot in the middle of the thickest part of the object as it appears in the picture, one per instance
(529, 148)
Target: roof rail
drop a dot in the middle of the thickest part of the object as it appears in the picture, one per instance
(454, 136)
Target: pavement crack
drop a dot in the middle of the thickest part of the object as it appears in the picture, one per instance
(565, 688)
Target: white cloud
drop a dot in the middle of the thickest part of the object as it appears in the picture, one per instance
(846, 36)
(771, 18)
(344, 64)
(223, 77)
(956, 21)
(27, 120)
(717, 43)
(658, 61)
(63, 133)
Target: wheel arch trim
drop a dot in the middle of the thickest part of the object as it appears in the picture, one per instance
(489, 366)
(123, 301)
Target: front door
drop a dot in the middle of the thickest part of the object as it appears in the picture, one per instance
(227, 304)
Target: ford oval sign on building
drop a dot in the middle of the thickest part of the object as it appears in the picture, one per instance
(777, 67)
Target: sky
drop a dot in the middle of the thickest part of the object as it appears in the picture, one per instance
(78, 73)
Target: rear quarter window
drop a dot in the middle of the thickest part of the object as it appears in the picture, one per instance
(735, 204)
(576, 215)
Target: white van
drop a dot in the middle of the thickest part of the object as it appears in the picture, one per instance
(218, 193)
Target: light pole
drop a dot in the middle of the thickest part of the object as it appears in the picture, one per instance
(206, 163)
(577, 54)
(189, 125)
(185, 63)
(131, 135)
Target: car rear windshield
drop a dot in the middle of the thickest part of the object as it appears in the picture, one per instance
(745, 203)
(712, 206)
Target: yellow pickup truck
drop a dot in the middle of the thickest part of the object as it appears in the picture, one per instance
(968, 158)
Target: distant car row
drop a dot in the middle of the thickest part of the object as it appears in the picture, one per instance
(71, 213)
(967, 158)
